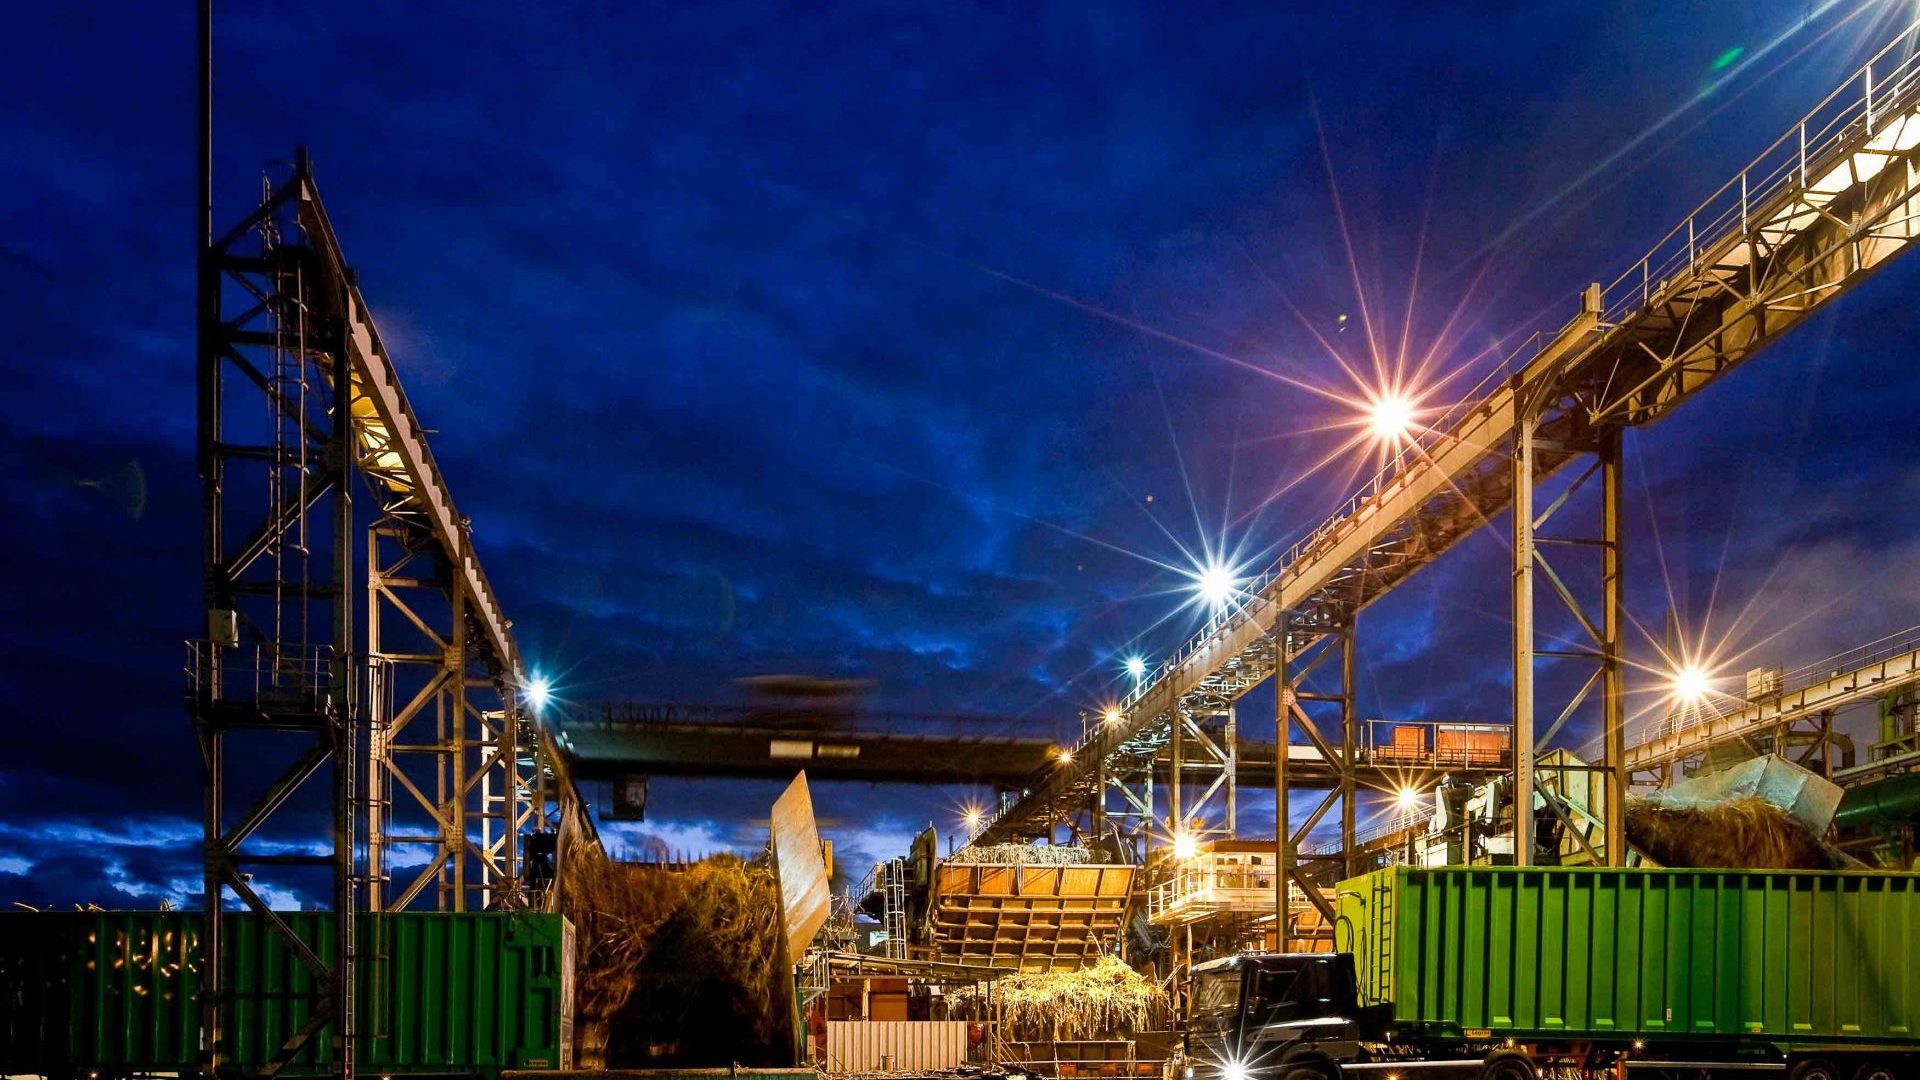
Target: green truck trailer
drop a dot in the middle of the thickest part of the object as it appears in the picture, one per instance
(1510, 973)
(106, 994)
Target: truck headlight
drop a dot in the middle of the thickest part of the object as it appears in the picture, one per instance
(1233, 1070)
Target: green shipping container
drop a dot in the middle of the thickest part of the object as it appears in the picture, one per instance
(117, 992)
(1784, 958)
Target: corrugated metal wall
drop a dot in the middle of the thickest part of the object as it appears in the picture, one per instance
(858, 1046)
(439, 993)
(1791, 956)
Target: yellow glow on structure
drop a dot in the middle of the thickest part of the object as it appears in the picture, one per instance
(1113, 716)
(1065, 755)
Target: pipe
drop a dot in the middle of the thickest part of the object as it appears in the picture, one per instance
(1892, 801)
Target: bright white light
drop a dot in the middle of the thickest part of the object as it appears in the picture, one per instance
(1390, 417)
(1065, 755)
(1216, 585)
(1690, 685)
(1233, 1070)
(1113, 716)
(1408, 798)
(538, 691)
(1136, 667)
(973, 817)
(1185, 847)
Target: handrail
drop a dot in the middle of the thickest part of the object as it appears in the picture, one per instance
(1881, 649)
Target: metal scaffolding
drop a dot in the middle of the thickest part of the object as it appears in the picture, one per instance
(312, 710)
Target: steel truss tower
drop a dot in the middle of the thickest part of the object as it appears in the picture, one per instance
(392, 729)
(274, 687)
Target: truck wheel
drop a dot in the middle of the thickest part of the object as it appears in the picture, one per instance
(1308, 1072)
(1875, 1070)
(1813, 1069)
(1509, 1065)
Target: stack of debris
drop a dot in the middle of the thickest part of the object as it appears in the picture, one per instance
(676, 966)
(1088, 1003)
(1024, 855)
(1764, 814)
(1747, 833)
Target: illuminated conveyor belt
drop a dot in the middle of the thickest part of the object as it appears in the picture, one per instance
(1871, 671)
(394, 450)
(1829, 202)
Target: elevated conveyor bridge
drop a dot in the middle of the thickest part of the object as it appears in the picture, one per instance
(1829, 202)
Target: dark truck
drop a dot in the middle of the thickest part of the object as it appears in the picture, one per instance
(1505, 973)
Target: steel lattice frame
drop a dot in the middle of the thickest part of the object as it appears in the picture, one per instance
(442, 756)
(274, 671)
(400, 717)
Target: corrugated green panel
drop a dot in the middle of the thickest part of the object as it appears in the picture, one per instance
(1784, 956)
(437, 993)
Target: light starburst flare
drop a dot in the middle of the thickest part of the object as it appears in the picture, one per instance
(1390, 418)
(539, 691)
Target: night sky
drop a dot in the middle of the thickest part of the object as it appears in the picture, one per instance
(916, 344)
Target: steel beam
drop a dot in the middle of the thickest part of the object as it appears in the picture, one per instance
(1613, 691)
(1522, 596)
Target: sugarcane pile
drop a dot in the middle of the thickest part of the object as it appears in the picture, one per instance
(1089, 1003)
(1746, 833)
(1024, 855)
(665, 953)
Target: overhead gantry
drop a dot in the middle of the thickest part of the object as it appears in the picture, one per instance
(1829, 202)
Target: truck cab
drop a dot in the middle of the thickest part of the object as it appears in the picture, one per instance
(1270, 1015)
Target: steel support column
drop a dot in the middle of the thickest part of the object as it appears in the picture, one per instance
(1349, 729)
(1523, 473)
(1613, 646)
(1282, 817)
(1177, 764)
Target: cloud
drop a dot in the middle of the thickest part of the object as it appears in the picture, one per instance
(813, 345)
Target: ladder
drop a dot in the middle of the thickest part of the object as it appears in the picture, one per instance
(1381, 922)
(893, 901)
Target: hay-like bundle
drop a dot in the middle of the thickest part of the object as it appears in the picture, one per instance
(1024, 855)
(656, 946)
(1746, 834)
(616, 909)
(1106, 998)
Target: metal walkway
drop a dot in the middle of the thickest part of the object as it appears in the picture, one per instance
(1861, 674)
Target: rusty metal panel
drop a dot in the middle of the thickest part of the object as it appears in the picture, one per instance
(801, 866)
(1032, 917)
(870, 1046)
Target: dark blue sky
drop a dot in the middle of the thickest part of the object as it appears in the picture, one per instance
(760, 340)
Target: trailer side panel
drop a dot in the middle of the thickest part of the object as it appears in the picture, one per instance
(1781, 957)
